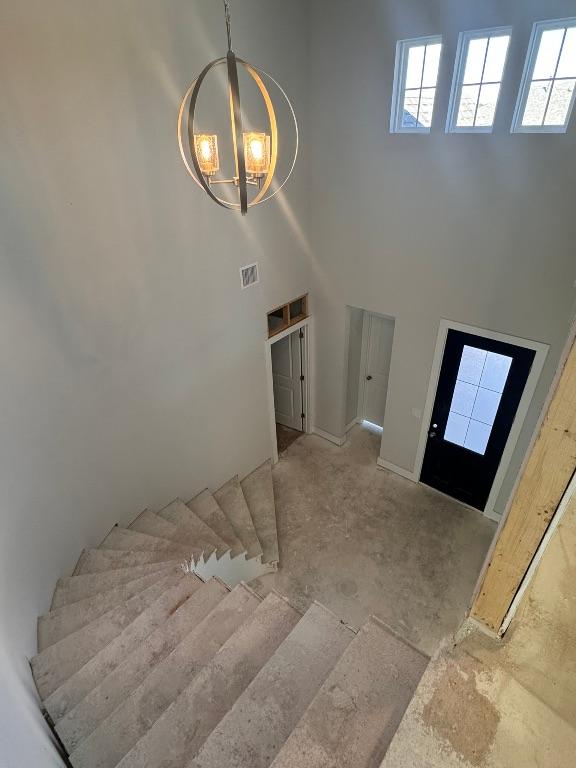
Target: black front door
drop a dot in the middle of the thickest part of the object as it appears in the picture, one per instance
(480, 385)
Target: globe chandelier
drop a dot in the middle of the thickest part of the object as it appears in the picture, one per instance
(255, 153)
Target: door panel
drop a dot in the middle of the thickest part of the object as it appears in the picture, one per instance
(379, 352)
(286, 372)
(479, 388)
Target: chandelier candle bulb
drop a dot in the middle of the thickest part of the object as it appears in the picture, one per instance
(206, 147)
(257, 153)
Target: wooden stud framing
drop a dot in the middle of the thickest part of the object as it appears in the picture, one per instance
(287, 318)
(544, 479)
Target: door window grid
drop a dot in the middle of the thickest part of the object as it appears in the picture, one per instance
(480, 64)
(548, 86)
(475, 404)
(415, 80)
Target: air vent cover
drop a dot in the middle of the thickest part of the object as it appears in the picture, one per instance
(249, 275)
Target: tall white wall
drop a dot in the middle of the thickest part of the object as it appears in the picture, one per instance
(473, 228)
(132, 363)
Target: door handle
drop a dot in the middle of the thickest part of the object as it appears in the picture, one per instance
(368, 378)
(432, 434)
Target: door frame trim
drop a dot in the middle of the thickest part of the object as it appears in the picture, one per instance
(306, 326)
(541, 352)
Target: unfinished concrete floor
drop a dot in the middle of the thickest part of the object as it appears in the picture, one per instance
(504, 704)
(362, 540)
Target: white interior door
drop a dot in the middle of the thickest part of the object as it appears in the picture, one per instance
(286, 372)
(380, 334)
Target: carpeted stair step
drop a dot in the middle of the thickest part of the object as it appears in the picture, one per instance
(70, 589)
(118, 733)
(188, 521)
(98, 560)
(153, 525)
(354, 716)
(55, 625)
(134, 541)
(58, 662)
(263, 717)
(207, 508)
(232, 502)
(259, 494)
(105, 661)
(102, 700)
(179, 733)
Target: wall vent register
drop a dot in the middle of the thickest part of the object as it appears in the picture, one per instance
(480, 382)
(249, 275)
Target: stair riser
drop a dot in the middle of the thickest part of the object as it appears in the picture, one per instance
(78, 685)
(117, 686)
(117, 734)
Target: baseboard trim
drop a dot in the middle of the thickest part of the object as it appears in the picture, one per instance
(353, 423)
(327, 436)
(491, 514)
(396, 469)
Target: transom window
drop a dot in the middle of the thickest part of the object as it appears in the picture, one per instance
(479, 385)
(415, 80)
(480, 63)
(546, 96)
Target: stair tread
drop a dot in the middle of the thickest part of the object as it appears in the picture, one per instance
(118, 733)
(80, 721)
(98, 560)
(259, 494)
(56, 624)
(207, 508)
(181, 515)
(80, 683)
(232, 502)
(355, 714)
(263, 717)
(134, 541)
(52, 666)
(179, 733)
(70, 589)
(153, 525)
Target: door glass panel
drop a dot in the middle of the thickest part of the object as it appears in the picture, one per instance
(477, 393)
(495, 371)
(471, 364)
(486, 405)
(463, 398)
(456, 428)
(477, 436)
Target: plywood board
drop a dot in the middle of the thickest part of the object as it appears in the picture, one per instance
(544, 479)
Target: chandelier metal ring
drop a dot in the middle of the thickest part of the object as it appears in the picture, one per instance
(195, 171)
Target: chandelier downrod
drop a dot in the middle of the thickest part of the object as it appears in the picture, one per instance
(228, 23)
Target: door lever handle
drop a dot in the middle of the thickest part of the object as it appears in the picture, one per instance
(368, 378)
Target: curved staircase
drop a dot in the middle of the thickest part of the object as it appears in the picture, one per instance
(157, 654)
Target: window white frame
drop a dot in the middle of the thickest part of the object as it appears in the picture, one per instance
(464, 41)
(400, 70)
(537, 30)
